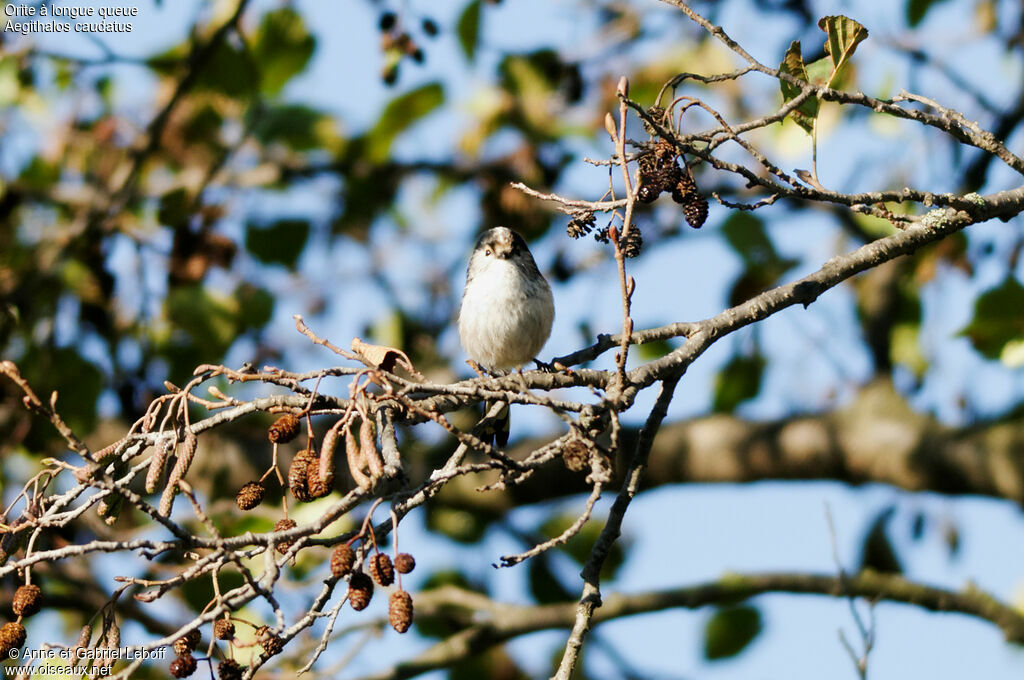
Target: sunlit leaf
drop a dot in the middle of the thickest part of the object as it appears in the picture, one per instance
(730, 630)
(400, 113)
(282, 48)
(844, 34)
(997, 318)
(468, 29)
(793, 64)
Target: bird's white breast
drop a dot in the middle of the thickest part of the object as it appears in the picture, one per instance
(505, 318)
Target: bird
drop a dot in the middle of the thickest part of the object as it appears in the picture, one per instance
(507, 308)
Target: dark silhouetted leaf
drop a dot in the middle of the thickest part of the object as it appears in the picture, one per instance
(737, 382)
(917, 9)
(280, 242)
(282, 48)
(730, 630)
(400, 113)
(793, 64)
(229, 71)
(877, 553)
(468, 29)
(255, 307)
(998, 318)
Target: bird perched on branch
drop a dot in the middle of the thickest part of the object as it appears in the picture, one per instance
(507, 309)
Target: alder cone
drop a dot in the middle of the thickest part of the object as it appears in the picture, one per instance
(27, 600)
(404, 563)
(360, 591)
(298, 476)
(284, 429)
(187, 642)
(342, 560)
(400, 610)
(223, 629)
(284, 525)
(229, 670)
(271, 643)
(184, 666)
(250, 495)
(576, 455)
(12, 636)
(696, 212)
(381, 569)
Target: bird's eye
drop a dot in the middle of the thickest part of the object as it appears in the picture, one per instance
(487, 251)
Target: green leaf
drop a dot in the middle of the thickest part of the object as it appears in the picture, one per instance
(746, 234)
(229, 72)
(998, 319)
(280, 242)
(730, 630)
(255, 307)
(738, 381)
(174, 208)
(400, 113)
(844, 34)
(468, 29)
(282, 48)
(77, 380)
(916, 9)
(793, 64)
(459, 525)
(209, 319)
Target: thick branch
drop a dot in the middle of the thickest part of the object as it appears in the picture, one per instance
(504, 622)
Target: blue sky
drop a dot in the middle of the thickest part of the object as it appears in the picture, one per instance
(702, 531)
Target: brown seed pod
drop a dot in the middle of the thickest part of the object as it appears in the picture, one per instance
(27, 600)
(229, 670)
(381, 569)
(187, 642)
(696, 212)
(12, 636)
(250, 495)
(342, 560)
(271, 643)
(298, 476)
(360, 591)
(284, 525)
(223, 629)
(404, 563)
(576, 455)
(184, 666)
(632, 243)
(400, 610)
(284, 429)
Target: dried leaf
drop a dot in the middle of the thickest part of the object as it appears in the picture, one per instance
(844, 34)
(383, 357)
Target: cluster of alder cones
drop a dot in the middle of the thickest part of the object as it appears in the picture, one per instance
(28, 599)
(382, 570)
